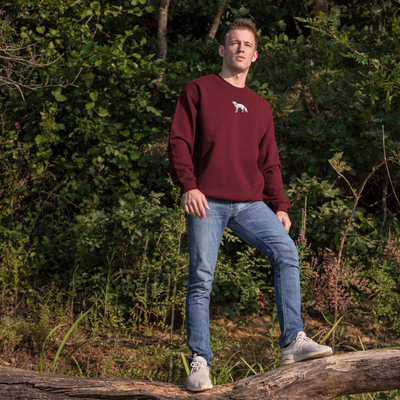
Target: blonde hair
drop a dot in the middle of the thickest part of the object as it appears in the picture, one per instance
(244, 24)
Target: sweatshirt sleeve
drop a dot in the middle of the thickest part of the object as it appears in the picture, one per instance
(270, 167)
(181, 141)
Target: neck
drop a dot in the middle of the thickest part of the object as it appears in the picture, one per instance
(237, 79)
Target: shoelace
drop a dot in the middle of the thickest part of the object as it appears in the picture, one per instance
(197, 366)
(302, 337)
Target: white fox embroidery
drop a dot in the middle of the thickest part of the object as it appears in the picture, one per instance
(241, 106)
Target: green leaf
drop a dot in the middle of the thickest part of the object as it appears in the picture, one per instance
(185, 363)
(99, 27)
(133, 175)
(102, 112)
(88, 79)
(149, 9)
(43, 346)
(89, 106)
(75, 324)
(24, 35)
(61, 98)
(115, 91)
(93, 96)
(333, 327)
(40, 29)
(281, 25)
(56, 92)
(134, 155)
(39, 139)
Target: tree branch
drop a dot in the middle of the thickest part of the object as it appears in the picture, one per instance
(319, 379)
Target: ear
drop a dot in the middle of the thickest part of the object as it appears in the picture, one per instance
(221, 50)
(255, 56)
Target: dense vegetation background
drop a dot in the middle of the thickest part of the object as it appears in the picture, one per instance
(87, 212)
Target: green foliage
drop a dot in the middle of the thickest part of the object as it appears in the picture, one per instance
(239, 281)
(85, 202)
(383, 72)
(383, 303)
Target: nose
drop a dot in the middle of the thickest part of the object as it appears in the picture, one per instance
(240, 48)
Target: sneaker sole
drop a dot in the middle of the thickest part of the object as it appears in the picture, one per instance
(290, 358)
(196, 389)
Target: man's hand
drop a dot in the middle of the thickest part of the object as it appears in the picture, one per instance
(194, 202)
(284, 218)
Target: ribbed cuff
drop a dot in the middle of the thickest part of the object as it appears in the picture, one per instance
(281, 207)
(186, 186)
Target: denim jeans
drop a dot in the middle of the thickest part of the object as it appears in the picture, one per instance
(256, 224)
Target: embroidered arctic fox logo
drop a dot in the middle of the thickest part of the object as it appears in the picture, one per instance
(239, 106)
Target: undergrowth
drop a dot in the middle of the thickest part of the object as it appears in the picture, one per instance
(45, 336)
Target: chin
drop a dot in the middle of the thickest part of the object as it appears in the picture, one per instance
(240, 70)
(241, 67)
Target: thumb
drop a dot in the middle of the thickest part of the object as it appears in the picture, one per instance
(205, 203)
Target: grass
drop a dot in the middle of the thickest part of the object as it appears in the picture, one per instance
(44, 337)
(389, 395)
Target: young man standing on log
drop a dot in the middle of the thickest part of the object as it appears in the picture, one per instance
(223, 155)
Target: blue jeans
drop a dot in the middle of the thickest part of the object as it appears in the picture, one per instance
(256, 224)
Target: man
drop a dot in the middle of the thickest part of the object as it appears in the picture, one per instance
(223, 155)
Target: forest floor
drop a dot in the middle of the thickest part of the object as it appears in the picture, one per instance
(241, 346)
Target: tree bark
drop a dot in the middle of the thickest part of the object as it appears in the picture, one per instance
(311, 103)
(324, 378)
(162, 47)
(215, 24)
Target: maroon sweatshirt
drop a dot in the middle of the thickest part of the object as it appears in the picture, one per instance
(222, 142)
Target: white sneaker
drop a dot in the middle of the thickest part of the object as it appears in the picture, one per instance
(303, 348)
(199, 378)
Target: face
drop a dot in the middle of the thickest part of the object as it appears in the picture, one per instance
(239, 50)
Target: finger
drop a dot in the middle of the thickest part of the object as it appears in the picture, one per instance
(196, 211)
(187, 211)
(201, 208)
(205, 203)
(191, 210)
(198, 208)
(284, 223)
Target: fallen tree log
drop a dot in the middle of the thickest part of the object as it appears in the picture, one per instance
(324, 378)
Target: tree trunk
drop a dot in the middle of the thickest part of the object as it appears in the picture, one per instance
(215, 24)
(162, 46)
(311, 103)
(324, 378)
